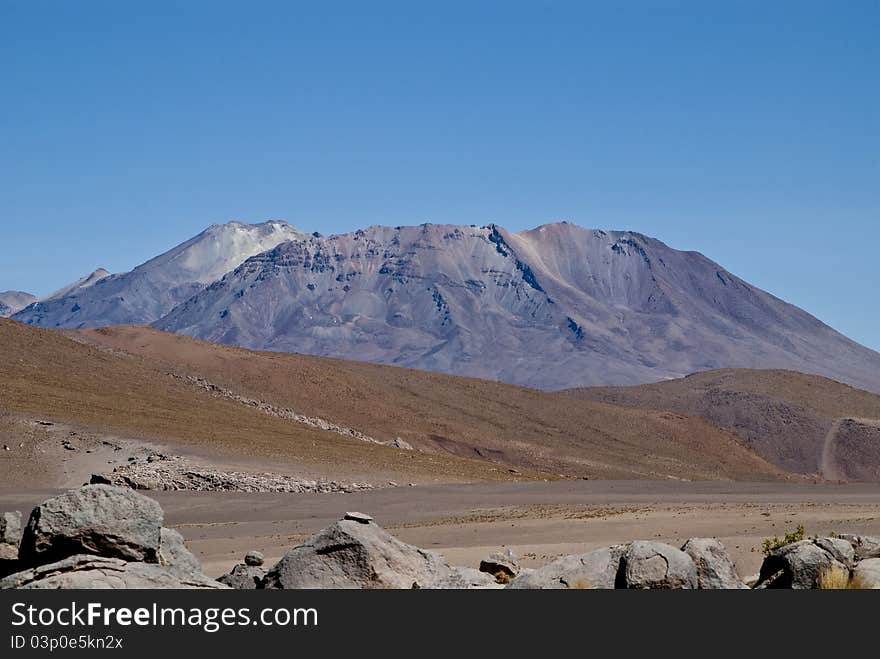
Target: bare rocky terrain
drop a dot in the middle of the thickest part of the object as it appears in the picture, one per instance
(100, 536)
(266, 451)
(160, 472)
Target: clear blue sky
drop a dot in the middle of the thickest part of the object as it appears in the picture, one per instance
(746, 130)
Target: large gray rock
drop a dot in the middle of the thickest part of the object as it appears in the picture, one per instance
(656, 565)
(244, 577)
(352, 554)
(174, 555)
(801, 565)
(598, 569)
(10, 528)
(254, 558)
(715, 569)
(10, 537)
(865, 546)
(91, 572)
(106, 521)
(867, 574)
(840, 550)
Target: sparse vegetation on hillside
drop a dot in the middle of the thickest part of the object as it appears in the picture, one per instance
(772, 544)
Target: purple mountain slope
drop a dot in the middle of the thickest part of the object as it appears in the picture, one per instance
(557, 306)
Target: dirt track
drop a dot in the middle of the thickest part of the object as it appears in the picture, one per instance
(828, 467)
(539, 521)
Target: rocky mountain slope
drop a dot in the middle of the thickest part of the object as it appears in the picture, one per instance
(558, 306)
(82, 283)
(155, 287)
(802, 423)
(13, 301)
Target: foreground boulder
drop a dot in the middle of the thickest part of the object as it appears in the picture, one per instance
(10, 528)
(244, 577)
(96, 519)
(10, 535)
(647, 564)
(598, 569)
(254, 558)
(715, 569)
(93, 572)
(865, 546)
(357, 553)
(174, 555)
(248, 575)
(803, 565)
(867, 574)
(103, 537)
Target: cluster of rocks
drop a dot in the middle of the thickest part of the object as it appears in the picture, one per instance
(157, 471)
(101, 536)
(357, 553)
(98, 537)
(248, 575)
(287, 413)
(701, 563)
(845, 560)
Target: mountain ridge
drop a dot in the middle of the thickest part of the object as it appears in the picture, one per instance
(153, 288)
(83, 282)
(13, 301)
(552, 307)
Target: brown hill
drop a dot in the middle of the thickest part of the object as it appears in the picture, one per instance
(133, 381)
(48, 376)
(803, 423)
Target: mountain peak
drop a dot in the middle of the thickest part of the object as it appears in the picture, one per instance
(82, 283)
(238, 225)
(155, 287)
(13, 301)
(545, 307)
(556, 306)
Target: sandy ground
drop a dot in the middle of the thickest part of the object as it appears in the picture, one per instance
(538, 521)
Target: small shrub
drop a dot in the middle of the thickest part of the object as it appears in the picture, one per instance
(772, 544)
(502, 577)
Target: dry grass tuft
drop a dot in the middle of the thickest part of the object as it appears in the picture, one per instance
(856, 583)
(834, 577)
(581, 583)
